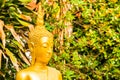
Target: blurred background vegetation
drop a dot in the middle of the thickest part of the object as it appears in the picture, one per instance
(86, 37)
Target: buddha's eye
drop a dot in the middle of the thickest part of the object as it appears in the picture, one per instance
(45, 45)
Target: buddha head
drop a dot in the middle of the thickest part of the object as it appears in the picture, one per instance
(40, 40)
(41, 45)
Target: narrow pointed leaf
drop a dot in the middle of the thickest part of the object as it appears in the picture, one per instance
(30, 26)
(2, 34)
(23, 22)
(32, 4)
(18, 44)
(2, 74)
(0, 58)
(24, 58)
(25, 1)
(12, 58)
(24, 17)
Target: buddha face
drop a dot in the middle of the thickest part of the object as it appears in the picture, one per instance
(43, 50)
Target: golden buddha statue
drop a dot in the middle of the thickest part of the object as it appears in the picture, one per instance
(41, 46)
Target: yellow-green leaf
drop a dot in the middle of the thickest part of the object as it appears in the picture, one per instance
(2, 34)
(12, 58)
(18, 44)
(24, 58)
(23, 22)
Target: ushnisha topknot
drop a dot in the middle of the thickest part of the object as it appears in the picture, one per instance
(40, 16)
(39, 30)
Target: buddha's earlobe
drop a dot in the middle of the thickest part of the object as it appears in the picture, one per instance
(31, 46)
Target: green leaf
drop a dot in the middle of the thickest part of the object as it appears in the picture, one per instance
(25, 1)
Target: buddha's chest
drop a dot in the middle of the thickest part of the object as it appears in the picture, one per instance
(43, 76)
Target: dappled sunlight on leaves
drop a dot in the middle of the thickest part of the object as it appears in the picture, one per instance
(15, 35)
(86, 36)
(2, 34)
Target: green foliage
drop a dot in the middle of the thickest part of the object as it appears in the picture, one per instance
(12, 54)
(91, 51)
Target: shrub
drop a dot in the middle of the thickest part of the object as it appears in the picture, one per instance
(86, 37)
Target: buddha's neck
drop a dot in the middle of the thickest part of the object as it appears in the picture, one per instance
(39, 65)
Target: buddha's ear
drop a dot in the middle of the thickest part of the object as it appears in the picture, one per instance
(31, 46)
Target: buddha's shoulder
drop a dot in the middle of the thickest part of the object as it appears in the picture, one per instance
(54, 70)
(55, 74)
(24, 72)
(22, 75)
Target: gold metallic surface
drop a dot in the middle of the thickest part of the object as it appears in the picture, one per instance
(41, 47)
